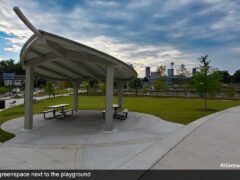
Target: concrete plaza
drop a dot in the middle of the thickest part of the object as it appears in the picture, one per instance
(141, 142)
(79, 142)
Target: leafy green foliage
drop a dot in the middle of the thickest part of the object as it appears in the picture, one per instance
(230, 90)
(207, 80)
(49, 89)
(226, 76)
(184, 82)
(135, 84)
(102, 86)
(145, 89)
(85, 84)
(236, 77)
(10, 66)
(160, 84)
(209, 84)
(63, 85)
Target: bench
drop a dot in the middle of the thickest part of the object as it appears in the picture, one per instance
(47, 111)
(68, 110)
(103, 113)
(122, 116)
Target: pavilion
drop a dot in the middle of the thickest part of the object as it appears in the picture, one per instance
(53, 57)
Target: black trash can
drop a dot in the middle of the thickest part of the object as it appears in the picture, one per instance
(2, 104)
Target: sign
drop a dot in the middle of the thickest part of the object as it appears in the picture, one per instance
(8, 76)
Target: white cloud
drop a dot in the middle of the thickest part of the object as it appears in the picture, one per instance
(139, 4)
(13, 48)
(79, 25)
(142, 55)
(236, 49)
(105, 4)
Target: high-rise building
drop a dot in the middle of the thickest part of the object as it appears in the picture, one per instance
(148, 72)
(170, 72)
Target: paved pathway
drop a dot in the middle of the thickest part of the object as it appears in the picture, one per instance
(9, 104)
(78, 142)
(215, 142)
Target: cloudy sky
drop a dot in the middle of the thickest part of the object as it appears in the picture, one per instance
(143, 33)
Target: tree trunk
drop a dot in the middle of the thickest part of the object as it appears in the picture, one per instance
(205, 101)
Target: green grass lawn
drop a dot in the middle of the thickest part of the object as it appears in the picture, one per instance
(179, 110)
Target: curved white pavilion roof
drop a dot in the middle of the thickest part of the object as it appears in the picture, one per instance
(58, 58)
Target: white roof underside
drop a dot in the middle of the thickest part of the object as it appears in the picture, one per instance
(58, 58)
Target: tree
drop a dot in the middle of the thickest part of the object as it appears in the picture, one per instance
(63, 85)
(157, 85)
(86, 86)
(160, 84)
(136, 84)
(92, 83)
(236, 77)
(226, 77)
(207, 80)
(95, 87)
(145, 89)
(185, 75)
(161, 70)
(9, 66)
(145, 80)
(230, 90)
(102, 87)
(49, 89)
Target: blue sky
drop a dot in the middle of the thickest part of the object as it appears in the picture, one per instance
(143, 33)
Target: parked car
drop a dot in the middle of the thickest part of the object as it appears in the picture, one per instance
(16, 90)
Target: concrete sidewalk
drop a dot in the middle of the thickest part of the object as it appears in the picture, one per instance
(215, 144)
(19, 101)
(77, 142)
(141, 142)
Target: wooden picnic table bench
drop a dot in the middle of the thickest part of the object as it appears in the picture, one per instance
(54, 108)
(47, 111)
(119, 115)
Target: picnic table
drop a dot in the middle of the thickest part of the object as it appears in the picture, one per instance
(115, 107)
(119, 115)
(54, 108)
